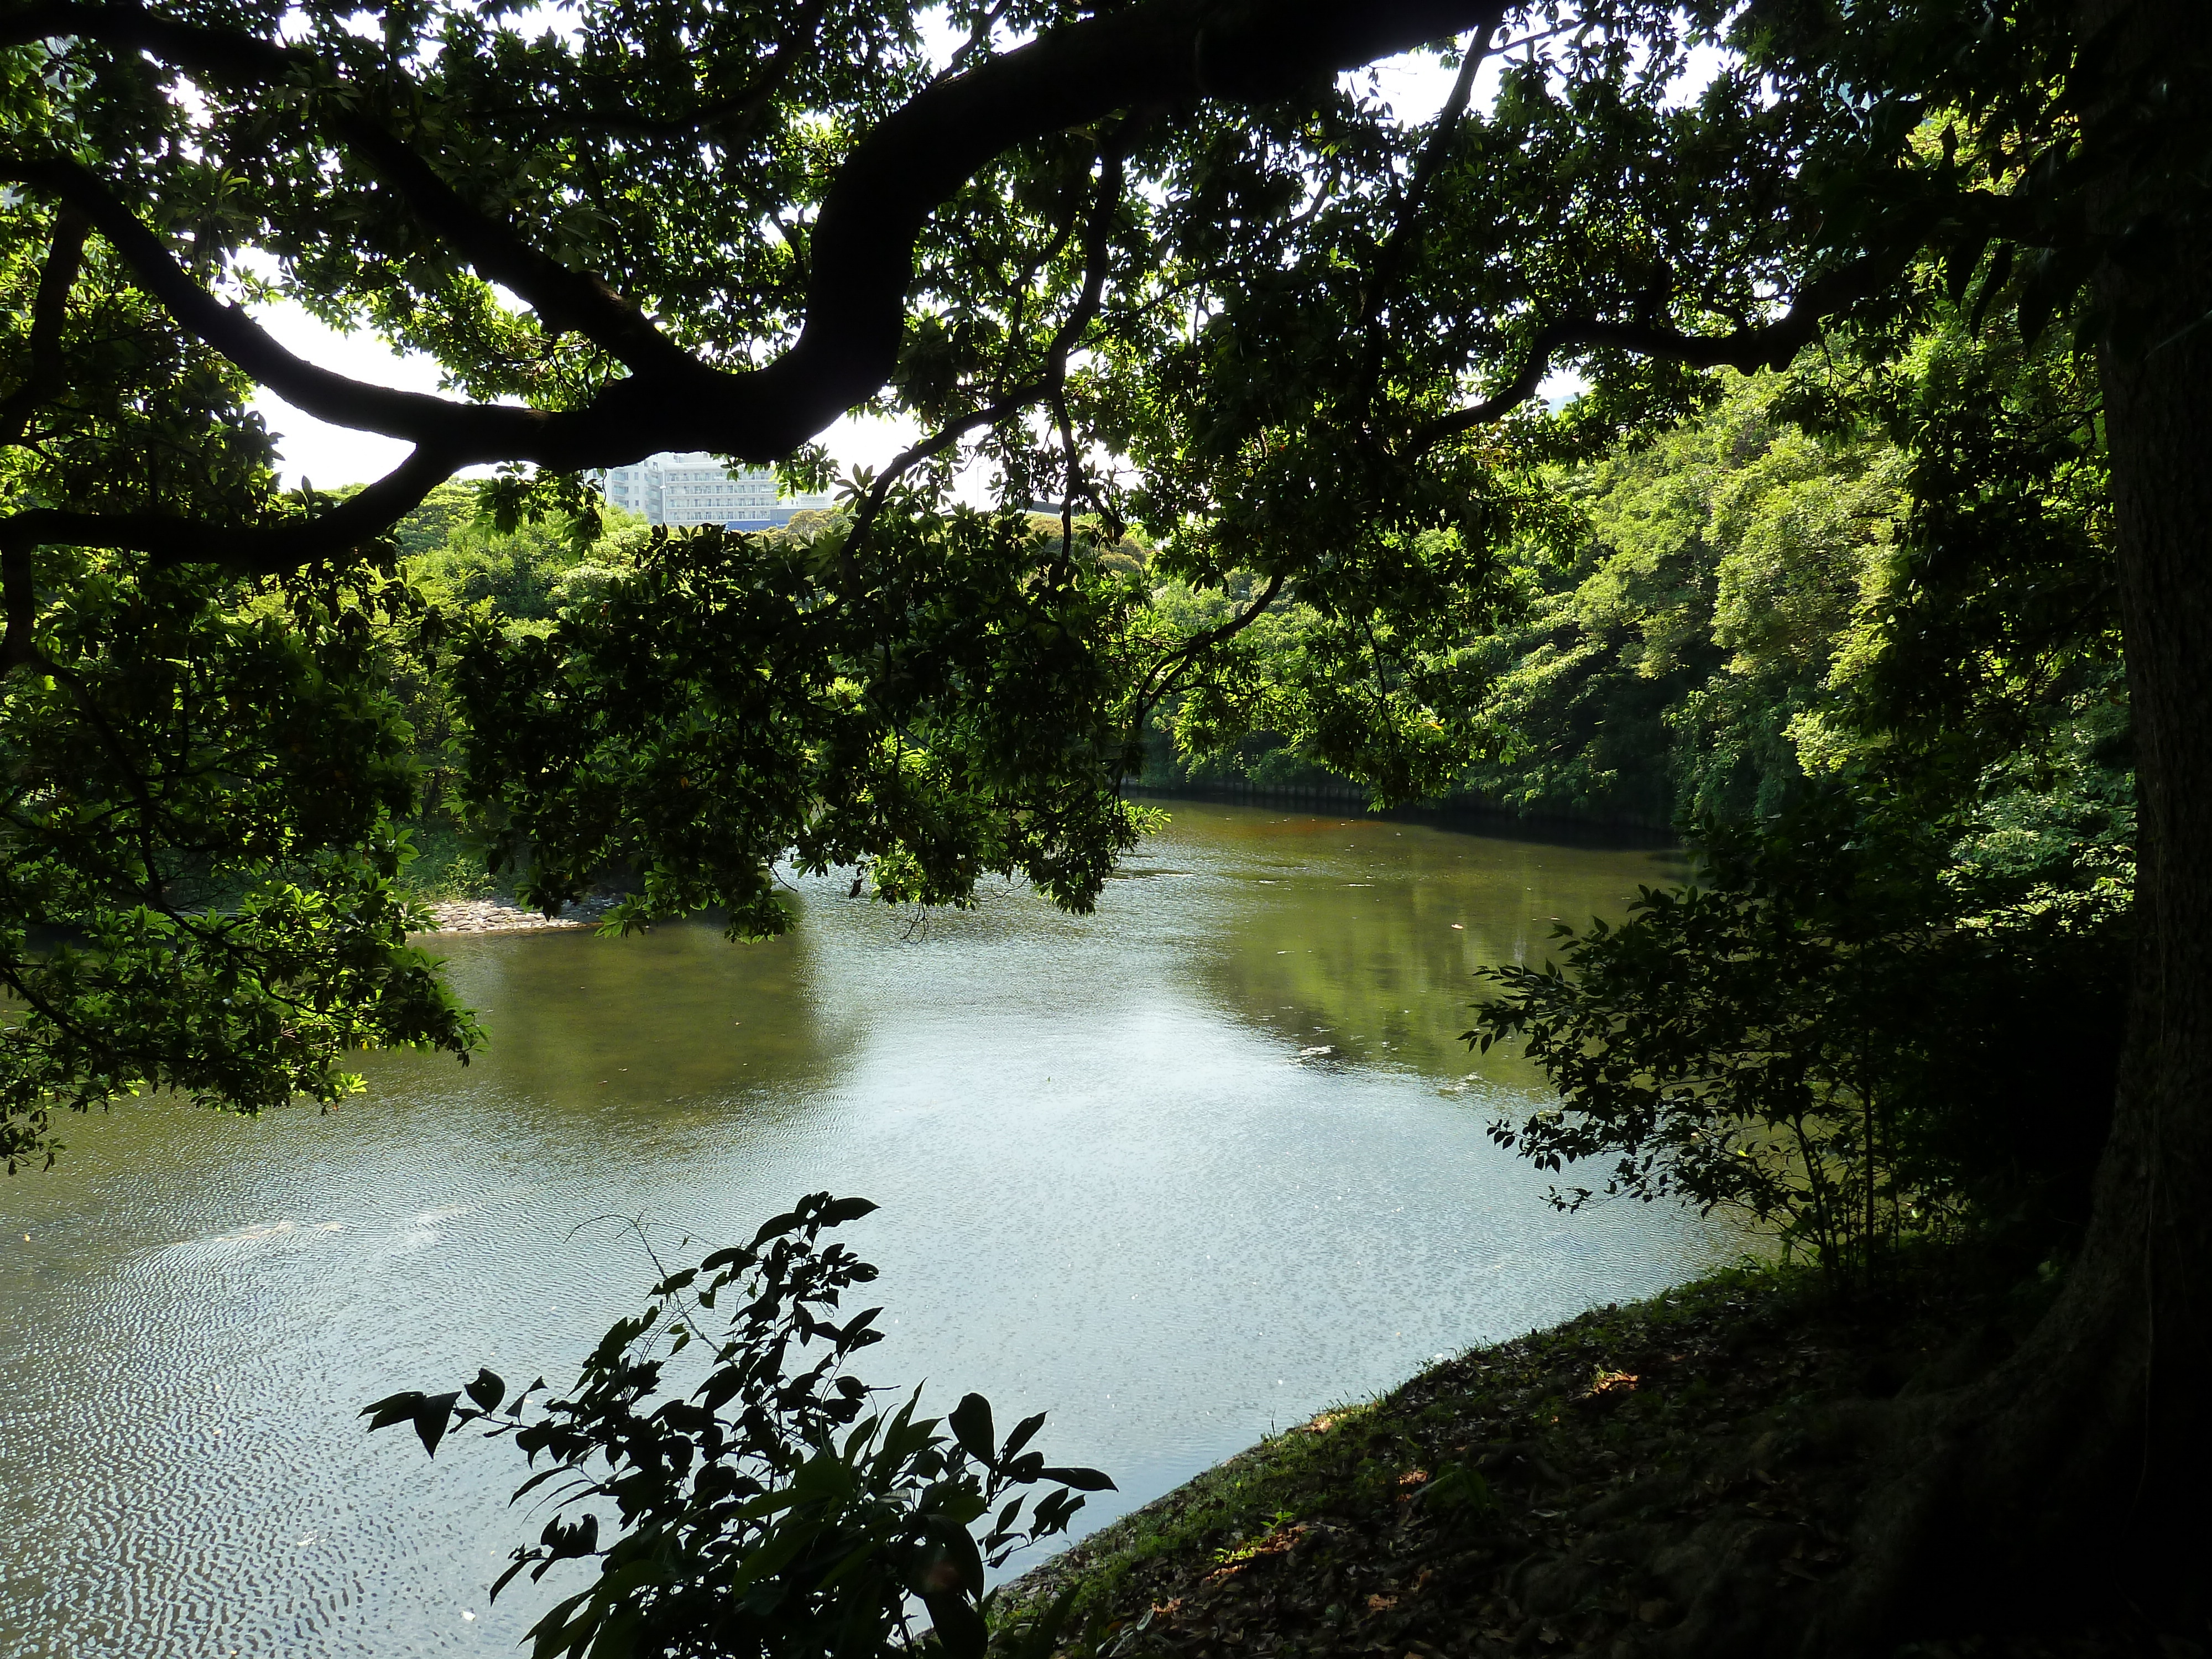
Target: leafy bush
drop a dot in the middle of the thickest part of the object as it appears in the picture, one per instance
(1818, 1041)
(768, 1512)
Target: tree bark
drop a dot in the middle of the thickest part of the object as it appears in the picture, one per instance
(2145, 1275)
(2076, 1471)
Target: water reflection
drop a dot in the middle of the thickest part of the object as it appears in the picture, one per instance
(1372, 932)
(1111, 1189)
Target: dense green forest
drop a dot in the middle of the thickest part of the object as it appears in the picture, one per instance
(1850, 630)
(1710, 621)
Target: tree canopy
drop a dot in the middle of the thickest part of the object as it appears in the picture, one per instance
(1160, 262)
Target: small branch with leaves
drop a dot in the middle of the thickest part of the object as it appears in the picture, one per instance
(769, 1502)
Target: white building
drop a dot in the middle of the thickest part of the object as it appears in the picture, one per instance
(693, 489)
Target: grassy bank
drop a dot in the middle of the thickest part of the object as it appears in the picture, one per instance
(1658, 1474)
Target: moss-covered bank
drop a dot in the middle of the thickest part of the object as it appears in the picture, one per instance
(1660, 1476)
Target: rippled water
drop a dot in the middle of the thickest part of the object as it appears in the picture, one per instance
(1111, 1189)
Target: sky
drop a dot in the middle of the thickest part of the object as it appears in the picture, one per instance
(316, 452)
(1416, 85)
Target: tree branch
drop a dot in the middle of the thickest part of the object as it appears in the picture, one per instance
(576, 302)
(1113, 153)
(1169, 52)
(1771, 345)
(1392, 258)
(321, 392)
(566, 300)
(259, 550)
(1162, 52)
(49, 310)
(229, 54)
(19, 597)
(977, 36)
(1171, 668)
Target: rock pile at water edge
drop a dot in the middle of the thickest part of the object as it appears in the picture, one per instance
(499, 916)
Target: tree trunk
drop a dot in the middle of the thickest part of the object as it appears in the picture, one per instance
(2079, 1467)
(2145, 1275)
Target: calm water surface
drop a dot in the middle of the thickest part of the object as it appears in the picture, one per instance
(1111, 1189)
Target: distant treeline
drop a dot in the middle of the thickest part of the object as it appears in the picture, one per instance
(1676, 644)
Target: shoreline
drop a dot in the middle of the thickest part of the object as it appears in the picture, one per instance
(504, 916)
(1667, 1475)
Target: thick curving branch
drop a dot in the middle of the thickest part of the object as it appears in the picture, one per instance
(1170, 53)
(565, 300)
(260, 549)
(227, 54)
(1167, 52)
(268, 549)
(320, 392)
(1771, 345)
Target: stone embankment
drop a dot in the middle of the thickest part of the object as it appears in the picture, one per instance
(501, 915)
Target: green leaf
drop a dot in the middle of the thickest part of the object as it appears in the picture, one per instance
(960, 1629)
(1081, 1479)
(1024, 1431)
(1993, 281)
(1960, 263)
(776, 1226)
(971, 1422)
(840, 1211)
(430, 1413)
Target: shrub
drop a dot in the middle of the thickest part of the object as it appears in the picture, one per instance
(1819, 1041)
(768, 1511)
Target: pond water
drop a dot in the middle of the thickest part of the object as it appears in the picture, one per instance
(1111, 1189)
